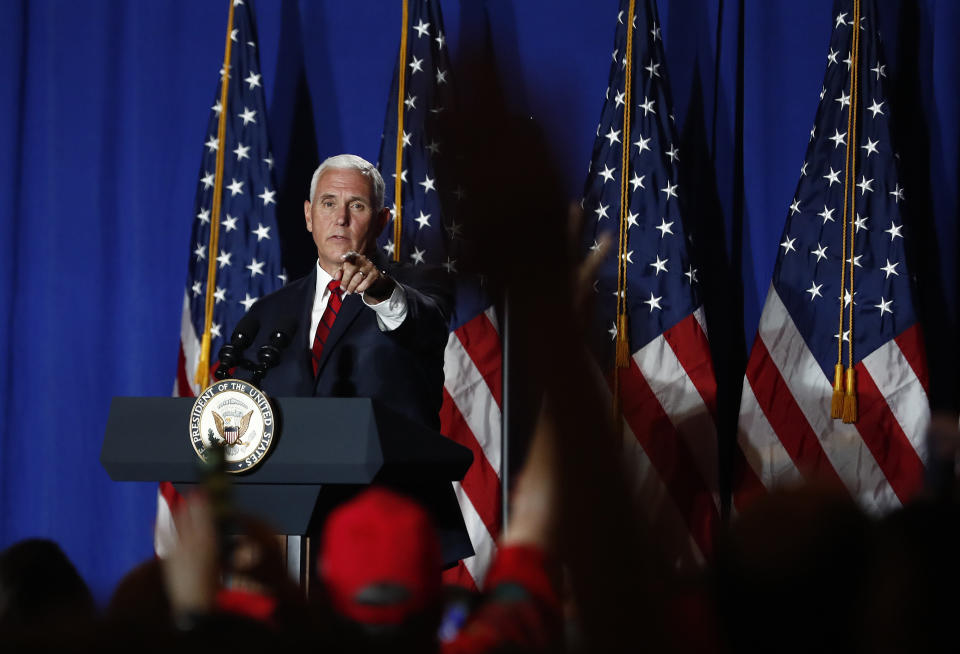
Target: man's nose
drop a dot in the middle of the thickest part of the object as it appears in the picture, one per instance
(343, 215)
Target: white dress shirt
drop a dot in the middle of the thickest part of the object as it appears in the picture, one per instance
(390, 313)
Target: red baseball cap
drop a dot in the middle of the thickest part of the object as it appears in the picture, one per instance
(380, 559)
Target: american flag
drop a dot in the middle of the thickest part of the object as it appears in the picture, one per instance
(471, 410)
(668, 390)
(247, 261)
(786, 433)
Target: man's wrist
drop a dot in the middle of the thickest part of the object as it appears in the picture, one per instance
(380, 290)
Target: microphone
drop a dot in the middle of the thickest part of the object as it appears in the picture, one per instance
(231, 354)
(269, 354)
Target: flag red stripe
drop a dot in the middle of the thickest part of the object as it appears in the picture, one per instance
(458, 575)
(911, 344)
(692, 349)
(785, 416)
(886, 439)
(481, 482)
(747, 487)
(183, 381)
(669, 455)
(482, 343)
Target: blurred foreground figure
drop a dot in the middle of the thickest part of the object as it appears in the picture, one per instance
(43, 600)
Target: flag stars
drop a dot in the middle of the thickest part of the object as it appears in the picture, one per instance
(647, 106)
(267, 196)
(440, 40)
(890, 269)
(411, 102)
(632, 219)
(897, 193)
(261, 232)
(253, 80)
(423, 220)
(884, 306)
(856, 260)
(247, 301)
(405, 139)
(787, 245)
(894, 231)
(197, 289)
(255, 267)
(403, 175)
(215, 330)
(846, 336)
(234, 33)
(664, 227)
(453, 229)
(427, 184)
(416, 65)
(441, 76)
(833, 176)
(847, 298)
(433, 147)
(670, 190)
(200, 252)
(860, 223)
(844, 100)
(832, 57)
(813, 132)
(814, 291)
(248, 116)
(654, 302)
(207, 180)
(841, 20)
(827, 215)
(220, 295)
(643, 144)
(865, 185)
(659, 266)
(601, 211)
(230, 223)
(652, 69)
(838, 139)
(389, 248)
(876, 108)
(422, 29)
(655, 33)
(613, 331)
(213, 144)
(224, 259)
(242, 151)
(637, 181)
(849, 62)
(627, 256)
(673, 153)
(880, 70)
(613, 136)
(450, 265)
(204, 216)
(803, 169)
(795, 207)
(417, 255)
(236, 188)
(619, 98)
(269, 161)
(870, 147)
(607, 174)
(820, 252)
(691, 275)
(217, 108)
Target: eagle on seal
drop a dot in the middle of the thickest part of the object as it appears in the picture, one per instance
(233, 432)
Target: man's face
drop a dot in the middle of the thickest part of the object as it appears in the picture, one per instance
(341, 216)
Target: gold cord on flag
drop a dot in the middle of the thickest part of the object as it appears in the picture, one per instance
(622, 359)
(398, 169)
(203, 366)
(844, 400)
(850, 395)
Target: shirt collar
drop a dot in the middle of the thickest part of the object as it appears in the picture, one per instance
(323, 278)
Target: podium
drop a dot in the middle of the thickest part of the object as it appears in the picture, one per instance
(325, 450)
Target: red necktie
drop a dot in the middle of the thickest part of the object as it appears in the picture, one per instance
(326, 322)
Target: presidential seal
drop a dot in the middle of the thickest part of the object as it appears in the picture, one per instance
(236, 415)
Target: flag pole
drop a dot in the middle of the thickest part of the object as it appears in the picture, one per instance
(398, 168)
(203, 365)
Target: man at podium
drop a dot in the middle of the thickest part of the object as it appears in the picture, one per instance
(360, 326)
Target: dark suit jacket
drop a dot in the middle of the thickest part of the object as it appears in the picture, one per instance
(402, 368)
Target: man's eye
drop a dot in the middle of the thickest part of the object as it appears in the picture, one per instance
(357, 205)
(327, 204)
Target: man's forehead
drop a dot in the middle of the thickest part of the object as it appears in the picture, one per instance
(338, 180)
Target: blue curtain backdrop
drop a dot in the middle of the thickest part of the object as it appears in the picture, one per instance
(102, 117)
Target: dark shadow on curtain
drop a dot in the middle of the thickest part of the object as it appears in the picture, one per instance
(294, 142)
(911, 135)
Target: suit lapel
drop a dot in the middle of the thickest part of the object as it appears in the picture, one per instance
(298, 357)
(349, 310)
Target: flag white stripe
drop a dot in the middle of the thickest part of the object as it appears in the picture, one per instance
(682, 403)
(491, 314)
(812, 391)
(701, 319)
(897, 382)
(484, 545)
(760, 445)
(473, 399)
(164, 530)
(190, 345)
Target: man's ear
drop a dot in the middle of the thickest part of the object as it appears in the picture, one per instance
(306, 215)
(383, 216)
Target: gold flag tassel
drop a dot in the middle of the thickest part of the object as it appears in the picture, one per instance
(398, 166)
(202, 375)
(623, 334)
(850, 396)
